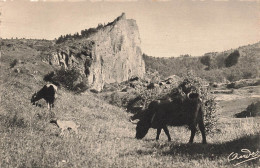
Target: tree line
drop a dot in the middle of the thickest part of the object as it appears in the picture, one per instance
(83, 34)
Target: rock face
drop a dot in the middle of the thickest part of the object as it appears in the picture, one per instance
(112, 54)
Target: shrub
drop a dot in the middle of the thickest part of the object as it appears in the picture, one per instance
(69, 79)
(80, 87)
(243, 83)
(13, 63)
(232, 59)
(205, 60)
(116, 99)
(14, 121)
(9, 45)
(247, 75)
(197, 84)
(231, 77)
(48, 77)
(252, 110)
(149, 95)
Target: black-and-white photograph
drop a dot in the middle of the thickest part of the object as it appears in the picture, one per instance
(129, 83)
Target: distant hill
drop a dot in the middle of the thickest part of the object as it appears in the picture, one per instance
(232, 65)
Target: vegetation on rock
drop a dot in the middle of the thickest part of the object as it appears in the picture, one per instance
(70, 79)
(252, 110)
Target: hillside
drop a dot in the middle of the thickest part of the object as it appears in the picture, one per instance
(216, 71)
(106, 137)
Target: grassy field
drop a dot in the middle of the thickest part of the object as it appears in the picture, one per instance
(106, 138)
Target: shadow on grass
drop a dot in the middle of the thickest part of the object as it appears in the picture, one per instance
(251, 142)
(13, 120)
(210, 151)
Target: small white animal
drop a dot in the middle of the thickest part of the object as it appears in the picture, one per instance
(64, 125)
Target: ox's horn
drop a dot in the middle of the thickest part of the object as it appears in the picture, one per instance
(188, 95)
(132, 121)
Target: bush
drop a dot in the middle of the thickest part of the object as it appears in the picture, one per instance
(69, 79)
(115, 99)
(205, 60)
(198, 85)
(247, 75)
(14, 121)
(252, 110)
(80, 87)
(48, 77)
(232, 59)
(13, 63)
(243, 83)
(149, 95)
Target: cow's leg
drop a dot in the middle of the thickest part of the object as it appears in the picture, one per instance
(158, 133)
(202, 130)
(51, 106)
(48, 105)
(167, 133)
(193, 131)
(52, 102)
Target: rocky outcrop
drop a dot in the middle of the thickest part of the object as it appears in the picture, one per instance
(112, 54)
(244, 83)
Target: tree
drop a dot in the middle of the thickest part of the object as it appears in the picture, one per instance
(232, 59)
(205, 60)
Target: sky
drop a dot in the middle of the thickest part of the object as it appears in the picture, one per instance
(167, 28)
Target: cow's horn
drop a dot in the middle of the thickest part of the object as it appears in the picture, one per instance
(132, 121)
(188, 95)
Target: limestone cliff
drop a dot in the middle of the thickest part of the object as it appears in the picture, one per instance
(112, 54)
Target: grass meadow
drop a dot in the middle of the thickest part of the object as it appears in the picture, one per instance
(106, 138)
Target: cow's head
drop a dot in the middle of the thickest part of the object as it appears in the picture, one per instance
(142, 129)
(134, 119)
(140, 115)
(193, 95)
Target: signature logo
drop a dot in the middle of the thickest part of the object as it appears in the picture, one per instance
(245, 156)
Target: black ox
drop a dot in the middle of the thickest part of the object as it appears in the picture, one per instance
(179, 111)
(48, 93)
